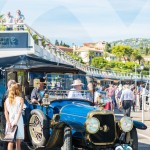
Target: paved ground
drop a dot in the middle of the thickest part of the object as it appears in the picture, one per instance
(143, 135)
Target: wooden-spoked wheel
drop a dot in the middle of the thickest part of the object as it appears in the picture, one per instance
(38, 128)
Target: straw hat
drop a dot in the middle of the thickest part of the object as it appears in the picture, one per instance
(77, 82)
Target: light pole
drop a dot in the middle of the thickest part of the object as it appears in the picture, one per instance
(143, 94)
(135, 77)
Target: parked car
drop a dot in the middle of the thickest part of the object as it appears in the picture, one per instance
(68, 123)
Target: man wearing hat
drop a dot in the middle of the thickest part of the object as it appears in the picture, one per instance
(75, 91)
(37, 92)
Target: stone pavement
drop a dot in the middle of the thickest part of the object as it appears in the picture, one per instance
(138, 116)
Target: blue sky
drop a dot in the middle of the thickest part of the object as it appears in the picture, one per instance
(79, 21)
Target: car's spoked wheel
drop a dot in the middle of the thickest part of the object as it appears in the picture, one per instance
(36, 129)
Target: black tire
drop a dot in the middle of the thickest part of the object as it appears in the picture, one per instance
(2, 126)
(67, 139)
(38, 128)
(134, 137)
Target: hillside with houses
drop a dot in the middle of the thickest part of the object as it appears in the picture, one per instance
(122, 55)
(138, 43)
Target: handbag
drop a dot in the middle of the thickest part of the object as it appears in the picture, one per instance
(10, 134)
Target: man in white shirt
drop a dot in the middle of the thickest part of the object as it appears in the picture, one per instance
(75, 92)
(127, 98)
(143, 94)
(8, 19)
(19, 19)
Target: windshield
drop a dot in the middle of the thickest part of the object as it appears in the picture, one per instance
(64, 81)
(59, 85)
(62, 86)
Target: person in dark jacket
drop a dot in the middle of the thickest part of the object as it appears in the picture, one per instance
(37, 93)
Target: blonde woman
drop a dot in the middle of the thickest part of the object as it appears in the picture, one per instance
(13, 113)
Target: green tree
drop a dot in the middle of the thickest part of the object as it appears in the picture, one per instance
(91, 55)
(134, 54)
(66, 45)
(108, 48)
(61, 43)
(119, 51)
(147, 51)
(1, 17)
(122, 51)
(139, 58)
(2, 28)
(56, 43)
(75, 56)
(35, 37)
(99, 62)
(128, 52)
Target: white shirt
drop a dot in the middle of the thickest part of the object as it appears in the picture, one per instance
(20, 18)
(144, 91)
(96, 96)
(73, 93)
(8, 19)
(127, 94)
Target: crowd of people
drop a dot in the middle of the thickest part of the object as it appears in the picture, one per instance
(9, 20)
(123, 97)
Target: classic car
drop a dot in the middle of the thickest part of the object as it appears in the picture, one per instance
(62, 122)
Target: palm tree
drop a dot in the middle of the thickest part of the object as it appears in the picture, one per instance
(139, 58)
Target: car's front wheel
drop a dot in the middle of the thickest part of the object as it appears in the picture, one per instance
(134, 137)
(67, 139)
(38, 128)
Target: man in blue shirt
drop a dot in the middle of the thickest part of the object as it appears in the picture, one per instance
(38, 92)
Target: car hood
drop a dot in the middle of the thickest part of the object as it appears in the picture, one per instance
(75, 115)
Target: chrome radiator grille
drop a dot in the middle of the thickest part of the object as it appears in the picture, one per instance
(106, 134)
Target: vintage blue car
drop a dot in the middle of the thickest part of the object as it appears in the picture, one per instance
(67, 123)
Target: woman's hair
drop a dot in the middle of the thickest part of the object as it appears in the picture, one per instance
(15, 90)
(10, 83)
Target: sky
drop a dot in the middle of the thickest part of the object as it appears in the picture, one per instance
(80, 21)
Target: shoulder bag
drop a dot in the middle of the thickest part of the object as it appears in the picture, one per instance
(10, 134)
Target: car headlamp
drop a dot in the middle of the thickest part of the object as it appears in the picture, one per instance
(126, 124)
(92, 125)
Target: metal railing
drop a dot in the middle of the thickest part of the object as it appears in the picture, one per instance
(61, 55)
(12, 26)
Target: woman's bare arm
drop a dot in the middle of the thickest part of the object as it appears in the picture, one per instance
(6, 113)
(19, 111)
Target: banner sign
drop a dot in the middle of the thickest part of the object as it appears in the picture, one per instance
(13, 40)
